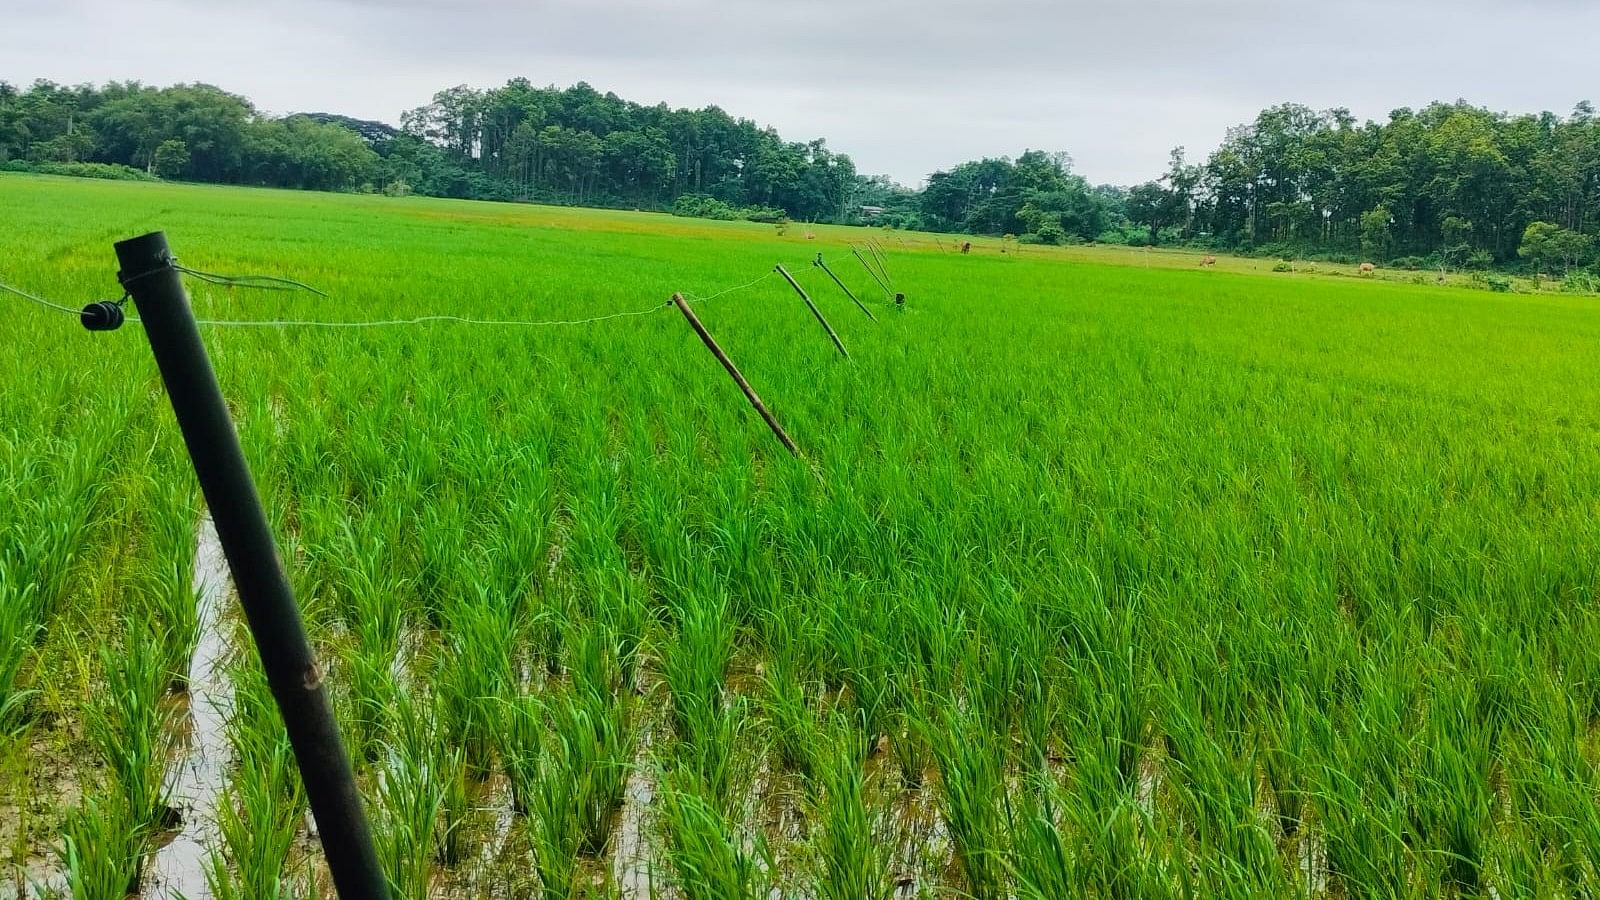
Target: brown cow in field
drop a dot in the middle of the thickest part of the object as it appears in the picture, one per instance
(1208, 262)
(1368, 268)
(966, 246)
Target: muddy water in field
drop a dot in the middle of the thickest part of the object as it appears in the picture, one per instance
(633, 843)
(198, 777)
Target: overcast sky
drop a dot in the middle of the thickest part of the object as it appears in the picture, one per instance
(904, 86)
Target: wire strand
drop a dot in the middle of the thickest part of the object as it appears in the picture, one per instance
(698, 299)
(254, 282)
(424, 320)
(39, 300)
(286, 284)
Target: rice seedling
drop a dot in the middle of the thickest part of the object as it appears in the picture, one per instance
(131, 728)
(709, 859)
(973, 789)
(474, 673)
(850, 837)
(709, 725)
(102, 850)
(169, 594)
(17, 634)
(258, 820)
(567, 759)
(411, 796)
(787, 711)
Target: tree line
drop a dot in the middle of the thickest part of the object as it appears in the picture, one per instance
(1451, 184)
(516, 142)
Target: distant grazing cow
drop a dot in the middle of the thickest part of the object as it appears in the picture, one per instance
(966, 246)
(1208, 262)
(1368, 268)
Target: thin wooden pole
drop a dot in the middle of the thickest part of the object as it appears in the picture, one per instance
(814, 311)
(733, 372)
(847, 292)
(870, 271)
(883, 265)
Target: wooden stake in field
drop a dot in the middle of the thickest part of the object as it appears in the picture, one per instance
(870, 271)
(814, 311)
(733, 372)
(877, 253)
(847, 292)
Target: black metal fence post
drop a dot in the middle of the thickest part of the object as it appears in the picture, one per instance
(150, 278)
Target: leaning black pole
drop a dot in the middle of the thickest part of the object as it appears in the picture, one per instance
(149, 275)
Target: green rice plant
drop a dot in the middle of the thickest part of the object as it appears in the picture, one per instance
(1043, 865)
(596, 738)
(474, 673)
(623, 610)
(455, 804)
(708, 858)
(167, 589)
(131, 729)
(369, 691)
(102, 849)
(375, 610)
(1361, 800)
(263, 806)
(1551, 787)
(709, 725)
(972, 791)
(520, 735)
(1285, 758)
(411, 795)
(786, 708)
(863, 662)
(1110, 717)
(1218, 791)
(907, 742)
(850, 840)
(568, 759)
(1091, 839)
(1452, 801)
(17, 635)
(257, 824)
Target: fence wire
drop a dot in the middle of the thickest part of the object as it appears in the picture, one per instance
(257, 281)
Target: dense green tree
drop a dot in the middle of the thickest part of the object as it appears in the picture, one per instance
(170, 159)
(1547, 245)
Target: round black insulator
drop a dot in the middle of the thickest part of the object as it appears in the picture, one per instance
(102, 315)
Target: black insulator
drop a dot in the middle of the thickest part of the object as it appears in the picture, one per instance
(102, 315)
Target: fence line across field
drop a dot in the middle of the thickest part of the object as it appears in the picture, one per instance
(253, 282)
